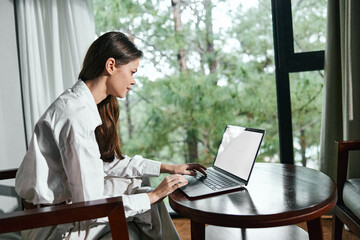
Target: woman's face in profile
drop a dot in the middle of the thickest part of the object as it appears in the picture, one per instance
(122, 78)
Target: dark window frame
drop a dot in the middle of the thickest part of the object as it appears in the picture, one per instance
(286, 62)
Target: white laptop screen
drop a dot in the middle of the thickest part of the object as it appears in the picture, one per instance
(238, 150)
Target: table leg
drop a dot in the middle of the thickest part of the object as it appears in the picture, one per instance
(337, 228)
(315, 229)
(197, 231)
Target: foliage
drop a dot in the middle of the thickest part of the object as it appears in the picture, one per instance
(172, 110)
(309, 25)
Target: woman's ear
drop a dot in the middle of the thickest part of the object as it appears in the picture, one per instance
(110, 65)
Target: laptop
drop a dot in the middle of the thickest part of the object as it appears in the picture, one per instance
(233, 164)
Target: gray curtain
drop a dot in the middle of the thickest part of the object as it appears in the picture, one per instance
(341, 99)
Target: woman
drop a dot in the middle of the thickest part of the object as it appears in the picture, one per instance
(74, 154)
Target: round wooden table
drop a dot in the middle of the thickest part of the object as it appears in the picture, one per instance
(277, 195)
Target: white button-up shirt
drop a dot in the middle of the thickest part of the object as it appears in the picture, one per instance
(63, 160)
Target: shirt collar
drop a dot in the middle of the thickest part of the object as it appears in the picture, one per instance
(85, 96)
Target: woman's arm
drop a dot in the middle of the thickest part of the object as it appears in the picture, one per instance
(83, 168)
(132, 167)
(167, 186)
(175, 181)
(184, 169)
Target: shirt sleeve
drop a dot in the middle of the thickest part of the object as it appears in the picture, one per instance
(135, 204)
(83, 167)
(134, 167)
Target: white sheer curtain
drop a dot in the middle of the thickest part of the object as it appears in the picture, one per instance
(53, 38)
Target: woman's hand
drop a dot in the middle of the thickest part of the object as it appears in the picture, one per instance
(167, 186)
(189, 169)
(184, 169)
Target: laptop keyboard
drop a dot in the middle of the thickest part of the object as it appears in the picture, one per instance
(215, 181)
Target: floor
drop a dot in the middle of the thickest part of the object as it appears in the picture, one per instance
(183, 227)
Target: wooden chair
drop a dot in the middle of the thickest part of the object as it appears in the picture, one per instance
(47, 216)
(342, 214)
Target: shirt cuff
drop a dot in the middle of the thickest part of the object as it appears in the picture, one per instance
(152, 168)
(136, 204)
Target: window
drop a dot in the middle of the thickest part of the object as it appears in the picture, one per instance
(287, 61)
(309, 25)
(207, 64)
(306, 106)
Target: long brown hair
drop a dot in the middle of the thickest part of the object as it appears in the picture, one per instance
(110, 45)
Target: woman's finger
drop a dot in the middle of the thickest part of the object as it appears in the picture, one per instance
(201, 169)
(173, 177)
(179, 185)
(176, 178)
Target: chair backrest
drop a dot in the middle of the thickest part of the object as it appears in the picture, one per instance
(342, 214)
(344, 147)
(47, 216)
(8, 174)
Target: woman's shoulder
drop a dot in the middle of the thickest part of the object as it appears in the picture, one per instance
(68, 111)
(66, 106)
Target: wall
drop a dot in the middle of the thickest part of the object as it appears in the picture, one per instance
(12, 134)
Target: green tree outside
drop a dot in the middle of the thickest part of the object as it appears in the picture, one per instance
(178, 113)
